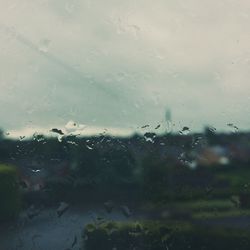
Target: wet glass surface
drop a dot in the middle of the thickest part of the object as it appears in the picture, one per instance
(124, 125)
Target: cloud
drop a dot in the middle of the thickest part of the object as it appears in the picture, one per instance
(122, 63)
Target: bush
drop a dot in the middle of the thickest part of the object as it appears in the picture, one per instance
(9, 193)
(160, 235)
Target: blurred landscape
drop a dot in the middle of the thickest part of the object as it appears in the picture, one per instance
(195, 179)
(124, 125)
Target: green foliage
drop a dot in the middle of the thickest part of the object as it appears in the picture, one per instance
(156, 177)
(117, 168)
(1, 134)
(153, 235)
(164, 182)
(9, 193)
(125, 236)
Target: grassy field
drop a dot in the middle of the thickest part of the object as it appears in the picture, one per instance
(199, 209)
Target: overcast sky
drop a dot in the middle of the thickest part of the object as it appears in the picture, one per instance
(122, 64)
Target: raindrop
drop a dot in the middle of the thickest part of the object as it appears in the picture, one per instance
(197, 141)
(191, 164)
(233, 127)
(35, 236)
(209, 190)
(21, 138)
(57, 131)
(72, 142)
(44, 45)
(185, 131)
(98, 220)
(158, 126)
(134, 29)
(149, 140)
(186, 160)
(69, 7)
(36, 170)
(63, 207)
(74, 242)
(235, 200)
(211, 129)
(32, 212)
(70, 125)
(88, 147)
(38, 137)
(109, 206)
(145, 126)
(73, 127)
(149, 137)
(20, 244)
(126, 211)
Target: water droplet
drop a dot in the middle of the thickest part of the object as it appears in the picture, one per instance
(44, 45)
(72, 143)
(185, 131)
(209, 190)
(63, 207)
(134, 29)
(88, 147)
(158, 126)
(74, 242)
(126, 211)
(38, 137)
(211, 129)
(149, 137)
(73, 127)
(235, 200)
(109, 206)
(233, 127)
(33, 212)
(70, 7)
(145, 126)
(57, 131)
(36, 170)
(60, 138)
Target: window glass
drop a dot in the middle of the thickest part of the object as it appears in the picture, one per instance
(124, 124)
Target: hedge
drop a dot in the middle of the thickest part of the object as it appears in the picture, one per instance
(10, 202)
(159, 235)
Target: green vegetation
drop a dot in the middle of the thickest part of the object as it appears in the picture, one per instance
(196, 209)
(194, 206)
(234, 213)
(155, 235)
(10, 202)
(238, 177)
(134, 171)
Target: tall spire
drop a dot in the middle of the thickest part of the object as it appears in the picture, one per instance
(168, 115)
(168, 118)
